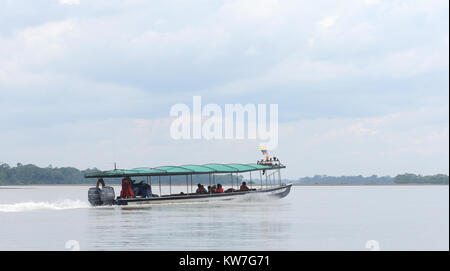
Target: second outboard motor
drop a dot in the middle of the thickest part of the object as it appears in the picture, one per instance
(107, 195)
(94, 196)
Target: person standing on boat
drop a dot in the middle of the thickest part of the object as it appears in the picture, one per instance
(100, 182)
(126, 192)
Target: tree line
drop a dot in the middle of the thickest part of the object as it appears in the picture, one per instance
(31, 174)
(406, 178)
(419, 179)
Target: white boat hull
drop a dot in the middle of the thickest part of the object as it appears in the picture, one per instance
(276, 192)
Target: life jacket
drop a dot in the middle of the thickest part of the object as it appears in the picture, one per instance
(126, 192)
(243, 187)
(201, 190)
(219, 190)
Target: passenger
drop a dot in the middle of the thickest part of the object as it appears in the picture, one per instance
(141, 189)
(147, 191)
(219, 188)
(230, 190)
(136, 187)
(244, 187)
(213, 189)
(100, 181)
(201, 189)
(126, 192)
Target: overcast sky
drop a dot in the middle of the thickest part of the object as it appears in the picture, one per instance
(362, 87)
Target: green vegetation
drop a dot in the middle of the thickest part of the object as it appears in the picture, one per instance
(31, 174)
(324, 179)
(419, 179)
(374, 179)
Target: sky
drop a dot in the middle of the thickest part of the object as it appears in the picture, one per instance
(362, 87)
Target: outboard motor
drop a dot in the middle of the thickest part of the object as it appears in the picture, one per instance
(104, 196)
(107, 195)
(94, 196)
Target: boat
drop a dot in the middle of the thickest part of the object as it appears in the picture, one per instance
(266, 185)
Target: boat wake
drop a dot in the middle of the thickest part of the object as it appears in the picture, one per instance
(39, 206)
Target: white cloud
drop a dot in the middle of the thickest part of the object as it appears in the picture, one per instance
(38, 45)
(411, 141)
(252, 51)
(328, 21)
(381, 145)
(69, 2)
(350, 67)
(372, 2)
(252, 8)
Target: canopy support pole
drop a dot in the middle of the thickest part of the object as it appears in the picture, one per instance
(170, 185)
(251, 183)
(210, 184)
(260, 178)
(231, 176)
(149, 178)
(159, 180)
(187, 184)
(279, 177)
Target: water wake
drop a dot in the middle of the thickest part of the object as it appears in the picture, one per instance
(37, 206)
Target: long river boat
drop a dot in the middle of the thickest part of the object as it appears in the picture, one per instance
(268, 184)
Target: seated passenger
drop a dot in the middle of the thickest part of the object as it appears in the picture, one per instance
(126, 189)
(201, 189)
(139, 189)
(219, 188)
(230, 190)
(147, 191)
(135, 187)
(213, 189)
(244, 187)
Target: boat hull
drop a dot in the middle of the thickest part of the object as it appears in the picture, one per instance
(275, 192)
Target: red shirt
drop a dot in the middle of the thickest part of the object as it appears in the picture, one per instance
(126, 192)
(219, 190)
(244, 187)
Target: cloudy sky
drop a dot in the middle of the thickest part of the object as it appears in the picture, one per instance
(362, 86)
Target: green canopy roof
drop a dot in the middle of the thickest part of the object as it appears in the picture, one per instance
(182, 170)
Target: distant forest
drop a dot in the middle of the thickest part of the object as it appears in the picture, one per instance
(31, 174)
(374, 179)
